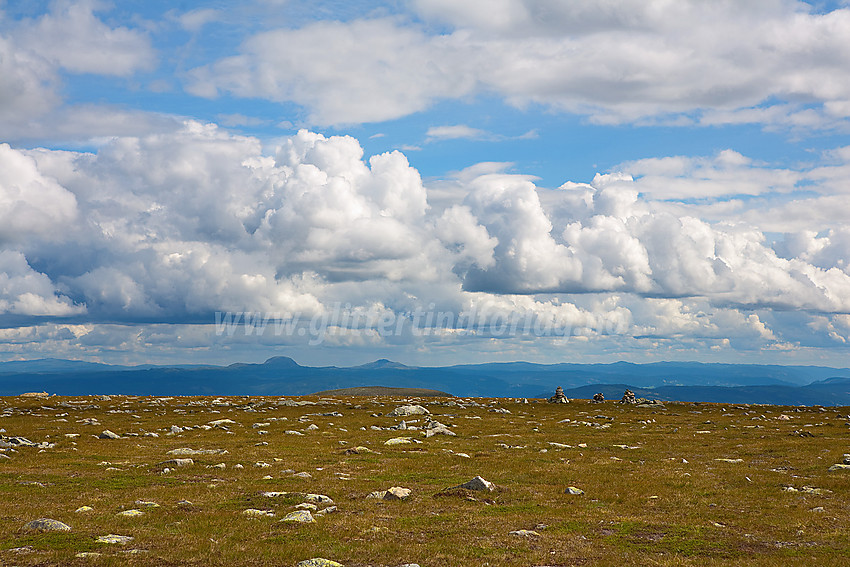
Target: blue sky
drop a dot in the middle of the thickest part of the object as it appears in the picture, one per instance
(540, 180)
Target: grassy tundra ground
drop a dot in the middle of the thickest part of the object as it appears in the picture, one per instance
(657, 490)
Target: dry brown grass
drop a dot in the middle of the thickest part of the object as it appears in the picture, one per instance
(642, 506)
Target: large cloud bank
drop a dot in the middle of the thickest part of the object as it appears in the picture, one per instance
(773, 62)
(171, 228)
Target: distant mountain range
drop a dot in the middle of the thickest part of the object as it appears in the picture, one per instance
(683, 381)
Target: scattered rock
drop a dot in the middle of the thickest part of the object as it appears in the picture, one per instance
(106, 434)
(299, 516)
(46, 525)
(255, 513)
(839, 467)
(398, 441)
(22, 550)
(84, 509)
(359, 450)
(403, 411)
(187, 452)
(12, 442)
(318, 499)
(319, 562)
(524, 533)
(441, 430)
(397, 493)
(131, 513)
(114, 539)
(174, 463)
(477, 483)
(275, 494)
(574, 490)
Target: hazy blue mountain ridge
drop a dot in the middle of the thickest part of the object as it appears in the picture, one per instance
(687, 381)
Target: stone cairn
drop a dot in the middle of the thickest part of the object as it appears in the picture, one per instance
(628, 397)
(598, 398)
(559, 397)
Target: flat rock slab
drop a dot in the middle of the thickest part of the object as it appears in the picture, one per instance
(403, 411)
(359, 450)
(188, 452)
(400, 441)
(254, 513)
(176, 463)
(131, 513)
(11, 442)
(46, 525)
(114, 539)
(319, 562)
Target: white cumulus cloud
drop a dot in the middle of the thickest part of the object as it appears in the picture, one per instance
(75, 39)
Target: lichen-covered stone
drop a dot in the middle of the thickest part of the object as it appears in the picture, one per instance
(319, 562)
(299, 516)
(114, 539)
(46, 525)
